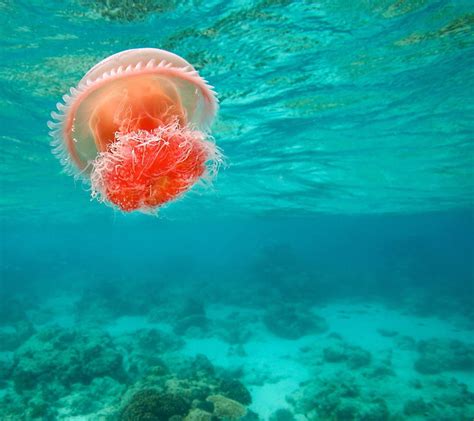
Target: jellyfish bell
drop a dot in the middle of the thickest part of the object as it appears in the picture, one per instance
(137, 127)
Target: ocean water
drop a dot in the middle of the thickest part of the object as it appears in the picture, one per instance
(327, 273)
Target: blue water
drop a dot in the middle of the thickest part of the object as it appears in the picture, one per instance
(328, 272)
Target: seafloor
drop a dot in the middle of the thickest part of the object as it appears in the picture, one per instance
(280, 346)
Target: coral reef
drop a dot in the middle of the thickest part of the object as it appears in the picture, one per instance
(97, 399)
(341, 398)
(234, 389)
(374, 391)
(63, 373)
(12, 336)
(148, 404)
(439, 355)
(226, 408)
(199, 367)
(193, 392)
(291, 322)
(282, 414)
(236, 329)
(196, 322)
(416, 407)
(198, 414)
(57, 355)
(354, 356)
(149, 366)
(443, 399)
(145, 348)
(192, 319)
(6, 367)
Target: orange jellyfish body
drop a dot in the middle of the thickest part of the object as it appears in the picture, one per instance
(136, 126)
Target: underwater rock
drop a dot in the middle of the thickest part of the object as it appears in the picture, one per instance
(262, 375)
(354, 356)
(12, 406)
(190, 389)
(282, 414)
(358, 357)
(438, 355)
(406, 343)
(335, 353)
(72, 373)
(194, 386)
(227, 408)
(457, 394)
(236, 329)
(376, 410)
(250, 416)
(195, 321)
(234, 389)
(447, 399)
(381, 371)
(339, 397)
(291, 322)
(192, 381)
(346, 411)
(154, 340)
(139, 365)
(416, 384)
(158, 369)
(67, 357)
(202, 367)
(152, 405)
(146, 349)
(192, 315)
(12, 336)
(416, 407)
(205, 406)
(6, 367)
(93, 400)
(37, 408)
(197, 414)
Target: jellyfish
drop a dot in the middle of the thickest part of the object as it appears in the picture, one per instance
(137, 129)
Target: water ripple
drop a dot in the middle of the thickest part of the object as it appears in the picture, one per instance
(330, 106)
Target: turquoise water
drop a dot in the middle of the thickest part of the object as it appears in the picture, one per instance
(325, 106)
(327, 274)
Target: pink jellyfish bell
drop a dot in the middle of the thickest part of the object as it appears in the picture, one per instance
(137, 126)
